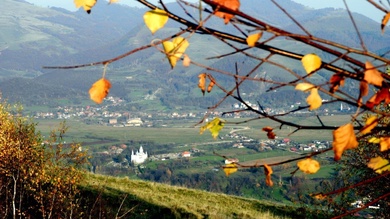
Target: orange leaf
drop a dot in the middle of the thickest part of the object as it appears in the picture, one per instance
(268, 129)
(270, 133)
(268, 171)
(231, 4)
(99, 90)
(308, 165)
(211, 85)
(363, 91)
(384, 143)
(344, 138)
(372, 76)
(319, 196)
(336, 81)
(371, 122)
(186, 60)
(202, 82)
(382, 95)
(384, 21)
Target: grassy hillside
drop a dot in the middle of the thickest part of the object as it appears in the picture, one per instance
(143, 199)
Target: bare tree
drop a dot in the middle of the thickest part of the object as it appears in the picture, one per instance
(259, 42)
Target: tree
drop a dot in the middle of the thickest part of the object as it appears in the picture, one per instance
(354, 76)
(37, 178)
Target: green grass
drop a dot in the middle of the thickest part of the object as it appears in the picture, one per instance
(153, 200)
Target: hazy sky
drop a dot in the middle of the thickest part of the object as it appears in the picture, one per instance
(360, 6)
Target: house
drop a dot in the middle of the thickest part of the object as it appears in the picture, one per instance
(134, 122)
(186, 154)
(113, 121)
(231, 160)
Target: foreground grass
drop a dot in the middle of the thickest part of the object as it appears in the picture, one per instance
(127, 198)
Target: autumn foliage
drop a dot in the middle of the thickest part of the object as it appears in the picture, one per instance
(38, 180)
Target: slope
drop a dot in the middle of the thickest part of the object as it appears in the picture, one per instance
(143, 199)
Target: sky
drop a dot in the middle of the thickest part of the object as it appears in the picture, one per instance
(360, 6)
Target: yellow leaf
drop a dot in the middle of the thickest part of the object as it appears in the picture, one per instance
(374, 140)
(384, 21)
(113, 1)
(314, 100)
(99, 90)
(379, 164)
(175, 49)
(253, 38)
(230, 168)
(155, 19)
(372, 76)
(214, 127)
(371, 122)
(186, 60)
(202, 82)
(311, 62)
(385, 143)
(268, 171)
(304, 87)
(86, 4)
(344, 138)
(308, 165)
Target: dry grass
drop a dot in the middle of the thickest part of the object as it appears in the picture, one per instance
(198, 204)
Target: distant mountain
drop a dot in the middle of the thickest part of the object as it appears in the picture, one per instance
(36, 36)
(32, 36)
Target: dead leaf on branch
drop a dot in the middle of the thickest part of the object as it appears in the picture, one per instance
(344, 138)
(270, 133)
(363, 91)
(214, 127)
(384, 21)
(231, 4)
(186, 60)
(311, 62)
(314, 99)
(371, 122)
(382, 95)
(202, 82)
(379, 164)
(175, 49)
(99, 90)
(384, 143)
(337, 80)
(372, 75)
(308, 165)
(86, 4)
(268, 171)
(253, 38)
(230, 168)
(155, 19)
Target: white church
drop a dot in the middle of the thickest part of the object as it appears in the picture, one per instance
(139, 156)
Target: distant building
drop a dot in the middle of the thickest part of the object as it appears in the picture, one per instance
(186, 154)
(139, 156)
(134, 122)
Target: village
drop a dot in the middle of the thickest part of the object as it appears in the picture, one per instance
(115, 113)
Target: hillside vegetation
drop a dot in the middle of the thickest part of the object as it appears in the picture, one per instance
(142, 199)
